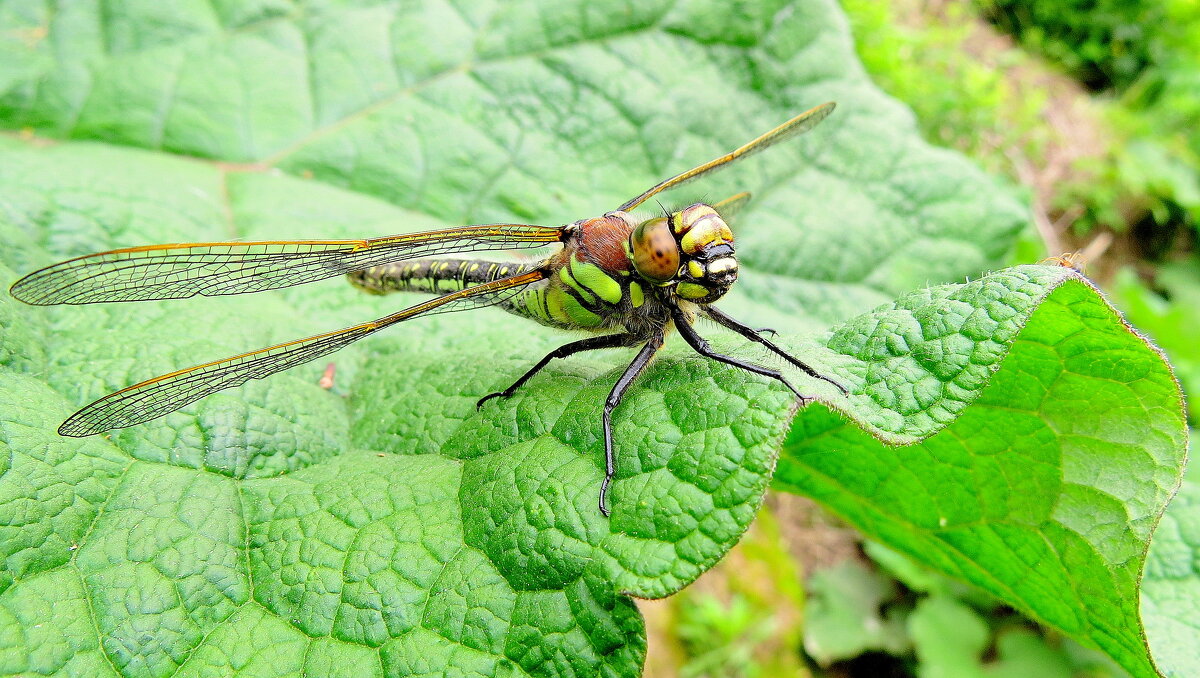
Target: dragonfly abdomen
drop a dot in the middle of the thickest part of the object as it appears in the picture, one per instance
(434, 275)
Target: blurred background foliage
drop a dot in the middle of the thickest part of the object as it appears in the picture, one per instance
(1093, 108)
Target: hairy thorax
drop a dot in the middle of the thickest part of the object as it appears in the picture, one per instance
(592, 285)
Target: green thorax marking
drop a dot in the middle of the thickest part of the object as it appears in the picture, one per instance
(595, 279)
(636, 296)
(584, 295)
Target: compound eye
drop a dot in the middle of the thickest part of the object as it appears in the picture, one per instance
(655, 252)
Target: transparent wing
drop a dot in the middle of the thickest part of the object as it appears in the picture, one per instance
(796, 126)
(162, 395)
(729, 207)
(217, 268)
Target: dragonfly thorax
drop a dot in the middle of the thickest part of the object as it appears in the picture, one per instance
(691, 249)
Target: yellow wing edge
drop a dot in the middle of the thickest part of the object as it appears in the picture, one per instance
(796, 126)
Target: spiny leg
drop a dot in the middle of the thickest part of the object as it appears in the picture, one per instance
(640, 361)
(701, 346)
(589, 344)
(754, 335)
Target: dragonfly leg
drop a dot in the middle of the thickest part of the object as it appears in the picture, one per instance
(701, 346)
(755, 336)
(589, 344)
(640, 361)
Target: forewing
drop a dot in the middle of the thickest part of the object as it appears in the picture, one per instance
(211, 269)
(796, 126)
(165, 394)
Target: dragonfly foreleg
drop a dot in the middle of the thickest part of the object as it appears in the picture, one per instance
(701, 346)
(640, 361)
(589, 344)
(756, 336)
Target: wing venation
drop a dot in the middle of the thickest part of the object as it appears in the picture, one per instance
(211, 269)
(794, 127)
(162, 395)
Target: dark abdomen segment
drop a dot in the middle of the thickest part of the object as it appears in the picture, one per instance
(434, 275)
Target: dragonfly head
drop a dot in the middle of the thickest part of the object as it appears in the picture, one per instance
(691, 248)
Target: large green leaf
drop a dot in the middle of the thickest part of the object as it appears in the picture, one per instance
(387, 527)
(1063, 440)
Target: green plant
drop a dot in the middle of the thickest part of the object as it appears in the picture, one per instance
(744, 617)
(1147, 174)
(932, 625)
(1105, 44)
(391, 528)
(721, 637)
(960, 100)
(1145, 180)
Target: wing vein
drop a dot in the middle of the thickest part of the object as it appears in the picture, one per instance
(212, 269)
(166, 393)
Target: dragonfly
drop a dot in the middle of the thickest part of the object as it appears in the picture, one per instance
(624, 280)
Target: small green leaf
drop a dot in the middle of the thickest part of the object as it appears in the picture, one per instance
(951, 639)
(845, 616)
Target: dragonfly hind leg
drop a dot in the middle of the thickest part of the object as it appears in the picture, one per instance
(589, 344)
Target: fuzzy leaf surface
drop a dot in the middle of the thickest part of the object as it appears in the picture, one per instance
(386, 527)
